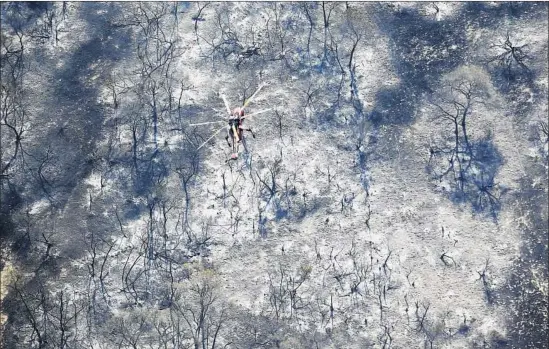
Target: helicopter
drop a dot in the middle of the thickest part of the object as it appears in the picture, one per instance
(234, 124)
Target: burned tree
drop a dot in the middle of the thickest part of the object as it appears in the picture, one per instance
(49, 319)
(13, 111)
(157, 49)
(202, 311)
(511, 59)
(464, 165)
(285, 298)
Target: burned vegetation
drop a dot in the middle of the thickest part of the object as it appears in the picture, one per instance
(273, 175)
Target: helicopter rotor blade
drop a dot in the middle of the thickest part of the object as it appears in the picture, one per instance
(256, 113)
(215, 134)
(220, 113)
(226, 104)
(206, 123)
(249, 100)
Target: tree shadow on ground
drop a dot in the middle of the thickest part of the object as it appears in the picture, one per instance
(523, 292)
(71, 122)
(485, 14)
(76, 113)
(480, 189)
(422, 50)
(21, 15)
(514, 80)
(393, 105)
(150, 173)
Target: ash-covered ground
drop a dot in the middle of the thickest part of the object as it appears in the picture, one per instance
(394, 196)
